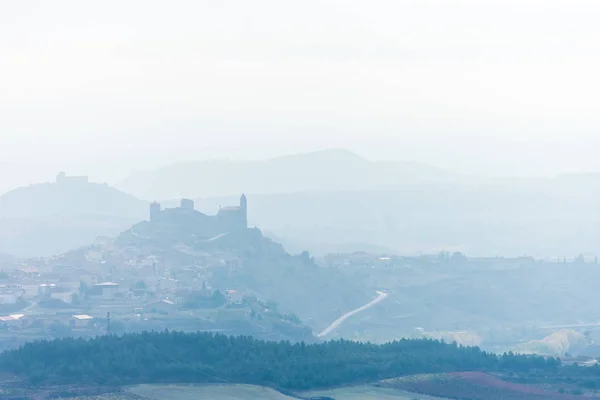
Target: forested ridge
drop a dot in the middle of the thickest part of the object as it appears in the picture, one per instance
(170, 357)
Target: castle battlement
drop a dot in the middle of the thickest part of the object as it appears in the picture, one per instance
(62, 179)
(228, 219)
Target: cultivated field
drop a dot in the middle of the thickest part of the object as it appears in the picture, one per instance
(368, 393)
(473, 386)
(250, 392)
(194, 392)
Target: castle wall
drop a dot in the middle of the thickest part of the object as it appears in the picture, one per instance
(62, 178)
(185, 219)
(230, 221)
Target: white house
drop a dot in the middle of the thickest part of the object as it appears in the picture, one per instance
(13, 321)
(11, 294)
(162, 306)
(108, 289)
(45, 289)
(66, 297)
(81, 321)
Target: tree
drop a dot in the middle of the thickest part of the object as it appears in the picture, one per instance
(171, 357)
(117, 327)
(141, 285)
(218, 298)
(292, 318)
(83, 289)
(59, 330)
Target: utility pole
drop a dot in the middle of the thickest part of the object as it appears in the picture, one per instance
(108, 323)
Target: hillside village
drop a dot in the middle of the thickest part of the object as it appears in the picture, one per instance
(157, 275)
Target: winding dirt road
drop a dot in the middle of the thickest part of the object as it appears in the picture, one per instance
(340, 320)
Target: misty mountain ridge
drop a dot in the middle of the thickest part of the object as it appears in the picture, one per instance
(327, 170)
(50, 218)
(543, 219)
(69, 199)
(540, 217)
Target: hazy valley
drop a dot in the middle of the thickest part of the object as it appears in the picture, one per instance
(310, 200)
(424, 259)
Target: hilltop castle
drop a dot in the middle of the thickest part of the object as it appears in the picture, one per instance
(63, 179)
(228, 219)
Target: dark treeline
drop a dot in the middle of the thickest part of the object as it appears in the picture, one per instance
(170, 357)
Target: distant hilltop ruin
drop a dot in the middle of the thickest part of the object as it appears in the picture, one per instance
(62, 179)
(228, 220)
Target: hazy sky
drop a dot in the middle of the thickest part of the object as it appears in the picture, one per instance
(483, 86)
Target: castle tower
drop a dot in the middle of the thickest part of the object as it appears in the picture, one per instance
(187, 204)
(154, 211)
(244, 211)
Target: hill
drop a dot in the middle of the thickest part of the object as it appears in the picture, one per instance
(51, 218)
(70, 199)
(329, 170)
(251, 263)
(47, 236)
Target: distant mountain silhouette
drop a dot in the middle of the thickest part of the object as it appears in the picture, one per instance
(328, 170)
(49, 218)
(352, 203)
(70, 199)
(548, 217)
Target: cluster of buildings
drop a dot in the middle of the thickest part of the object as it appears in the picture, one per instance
(391, 261)
(89, 290)
(157, 275)
(363, 259)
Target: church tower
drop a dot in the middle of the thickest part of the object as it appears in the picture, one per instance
(244, 211)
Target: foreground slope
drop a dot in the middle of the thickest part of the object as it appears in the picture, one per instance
(172, 365)
(251, 392)
(475, 386)
(214, 391)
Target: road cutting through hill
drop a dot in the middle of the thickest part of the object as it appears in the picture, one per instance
(340, 320)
